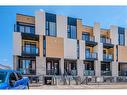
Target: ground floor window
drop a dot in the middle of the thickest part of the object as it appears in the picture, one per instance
(89, 68)
(122, 69)
(52, 67)
(70, 68)
(105, 69)
(27, 66)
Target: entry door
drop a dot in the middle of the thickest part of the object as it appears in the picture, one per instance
(52, 68)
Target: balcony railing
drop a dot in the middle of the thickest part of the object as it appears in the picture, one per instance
(106, 73)
(91, 55)
(30, 50)
(26, 71)
(89, 38)
(108, 57)
(122, 73)
(106, 40)
(89, 72)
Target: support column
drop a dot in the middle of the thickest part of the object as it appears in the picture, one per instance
(97, 66)
(15, 62)
(61, 66)
(80, 68)
(40, 65)
(115, 72)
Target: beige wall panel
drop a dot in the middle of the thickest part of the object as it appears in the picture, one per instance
(82, 49)
(70, 49)
(25, 19)
(62, 26)
(96, 32)
(114, 34)
(40, 23)
(88, 29)
(17, 43)
(40, 45)
(122, 53)
(54, 47)
(125, 36)
(79, 29)
(105, 32)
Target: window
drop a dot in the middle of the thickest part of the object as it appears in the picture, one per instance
(72, 32)
(85, 36)
(121, 32)
(26, 28)
(2, 77)
(50, 28)
(12, 77)
(44, 46)
(121, 39)
(27, 66)
(51, 24)
(21, 29)
(30, 47)
(72, 28)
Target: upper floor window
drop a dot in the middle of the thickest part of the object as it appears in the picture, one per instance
(51, 24)
(121, 32)
(71, 29)
(85, 36)
(50, 28)
(24, 28)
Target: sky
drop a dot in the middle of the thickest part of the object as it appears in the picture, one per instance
(105, 15)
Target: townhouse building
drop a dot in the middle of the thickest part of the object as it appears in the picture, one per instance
(50, 44)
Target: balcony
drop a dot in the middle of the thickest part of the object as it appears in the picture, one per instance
(106, 42)
(90, 40)
(89, 72)
(30, 50)
(107, 57)
(106, 73)
(91, 56)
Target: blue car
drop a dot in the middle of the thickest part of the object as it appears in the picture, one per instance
(10, 79)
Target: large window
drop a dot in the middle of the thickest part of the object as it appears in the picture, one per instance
(72, 32)
(29, 48)
(26, 29)
(121, 39)
(51, 24)
(50, 28)
(27, 66)
(121, 32)
(71, 28)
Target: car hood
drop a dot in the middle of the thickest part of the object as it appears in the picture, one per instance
(3, 85)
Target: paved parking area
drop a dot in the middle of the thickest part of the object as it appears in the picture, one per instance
(90, 86)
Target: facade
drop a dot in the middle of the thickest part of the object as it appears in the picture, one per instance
(50, 44)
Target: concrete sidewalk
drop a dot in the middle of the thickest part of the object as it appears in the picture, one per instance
(90, 86)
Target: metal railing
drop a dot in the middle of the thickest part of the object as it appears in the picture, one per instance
(91, 55)
(89, 72)
(108, 57)
(30, 50)
(27, 71)
(106, 73)
(105, 40)
(122, 73)
(89, 38)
